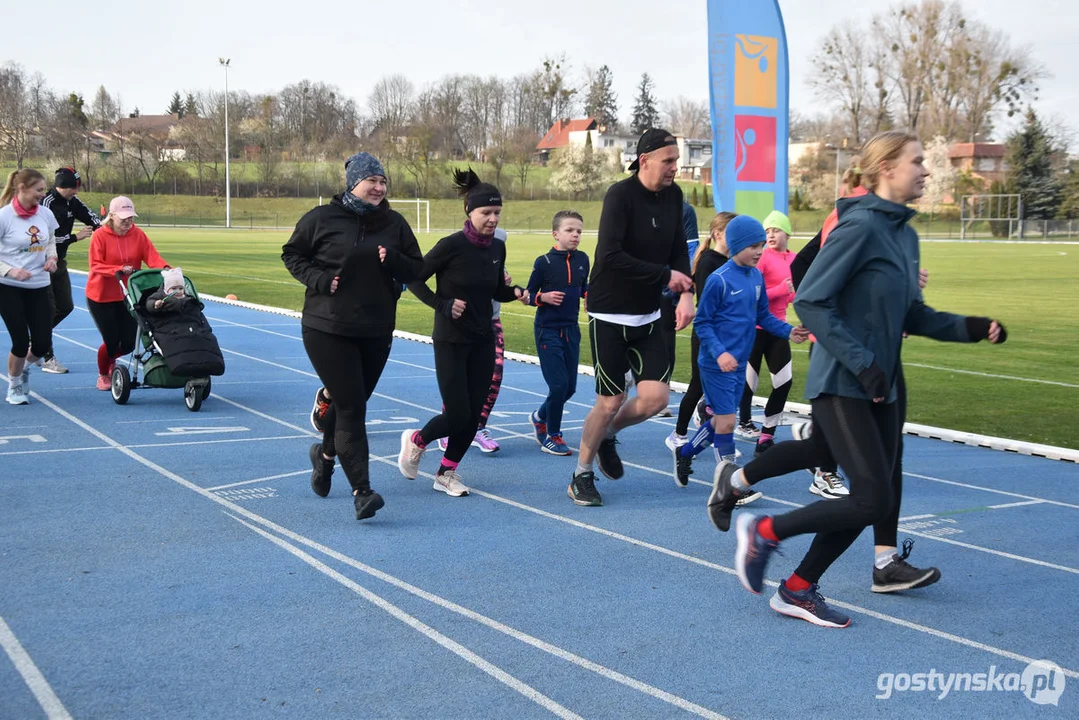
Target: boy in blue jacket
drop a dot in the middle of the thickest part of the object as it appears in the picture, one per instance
(559, 280)
(732, 305)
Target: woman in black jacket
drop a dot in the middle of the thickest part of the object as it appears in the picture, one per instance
(353, 255)
(470, 272)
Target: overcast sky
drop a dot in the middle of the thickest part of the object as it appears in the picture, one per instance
(144, 51)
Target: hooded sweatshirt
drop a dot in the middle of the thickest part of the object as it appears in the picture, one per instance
(109, 252)
(861, 294)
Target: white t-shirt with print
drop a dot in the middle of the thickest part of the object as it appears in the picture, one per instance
(26, 243)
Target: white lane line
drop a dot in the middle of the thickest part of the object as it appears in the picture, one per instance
(259, 480)
(426, 630)
(991, 490)
(788, 503)
(31, 675)
(239, 510)
(1016, 504)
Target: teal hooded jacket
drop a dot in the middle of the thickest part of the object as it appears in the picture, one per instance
(861, 294)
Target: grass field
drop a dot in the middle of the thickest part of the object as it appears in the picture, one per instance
(1027, 389)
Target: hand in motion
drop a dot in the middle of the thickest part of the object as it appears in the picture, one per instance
(727, 363)
(874, 382)
(381, 254)
(679, 282)
(84, 233)
(555, 297)
(127, 269)
(799, 335)
(50, 265)
(18, 274)
(334, 283)
(684, 312)
(923, 278)
(790, 286)
(458, 309)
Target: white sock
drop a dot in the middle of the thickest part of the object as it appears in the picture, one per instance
(738, 481)
(884, 559)
(14, 381)
(582, 467)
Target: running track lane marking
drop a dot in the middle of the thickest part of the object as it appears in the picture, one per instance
(494, 624)
(688, 558)
(482, 619)
(39, 686)
(968, 546)
(452, 645)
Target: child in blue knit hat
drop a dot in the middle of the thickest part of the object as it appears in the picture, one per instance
(732, 305)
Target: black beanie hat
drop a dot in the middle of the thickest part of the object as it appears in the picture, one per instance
(67, 177)
(477, 194)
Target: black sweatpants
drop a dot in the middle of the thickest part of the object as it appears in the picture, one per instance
(793, 455)
(116, 324)
(349, 369)
(694, 392)
(776, 352)
(864, 438)
(26, 314)
(464, 373)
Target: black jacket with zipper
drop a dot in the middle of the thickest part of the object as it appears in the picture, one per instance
(332, 241)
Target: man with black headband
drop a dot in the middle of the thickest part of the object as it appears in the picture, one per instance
(67, 208)
(641, 250)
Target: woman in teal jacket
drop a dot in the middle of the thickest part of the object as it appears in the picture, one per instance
(858, 299)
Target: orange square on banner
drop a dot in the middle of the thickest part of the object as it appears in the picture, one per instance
(755, 71)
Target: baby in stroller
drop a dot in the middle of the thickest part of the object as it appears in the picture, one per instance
(171, 296)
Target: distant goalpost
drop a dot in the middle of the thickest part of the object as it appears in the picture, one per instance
(422, 214)
(1002, 210)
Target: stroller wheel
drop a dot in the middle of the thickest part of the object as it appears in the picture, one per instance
(121, 385)
(206, 389)
(192, 396)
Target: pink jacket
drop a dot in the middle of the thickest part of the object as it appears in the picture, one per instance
(776, 269)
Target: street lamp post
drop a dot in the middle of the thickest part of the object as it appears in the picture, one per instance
(224, 62)
(838, 153)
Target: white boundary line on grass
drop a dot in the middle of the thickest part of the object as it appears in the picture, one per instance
(31, 675)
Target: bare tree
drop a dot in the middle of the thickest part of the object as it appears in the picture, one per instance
(554, 87)
(103, 111)
(16, 120)
(842, 75)
(689, 118)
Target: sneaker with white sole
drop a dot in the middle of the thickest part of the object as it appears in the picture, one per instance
(703, 414)
(750, 498)
(319, 409)
(607, 459)
(900, 575)
(16, 395)
(450, 483)
(555, 445)
(484, 441)
(808, 605)
(408, 460)
(828, 485)
(675, 441)
(747, 430)
(52, 365)
(683, 467)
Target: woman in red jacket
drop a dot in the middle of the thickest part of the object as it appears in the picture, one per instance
(117, 246)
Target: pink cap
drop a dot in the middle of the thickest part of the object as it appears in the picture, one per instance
(122, 207)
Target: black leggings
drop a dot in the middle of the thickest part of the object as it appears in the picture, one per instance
(60, 292)
(694, 392)
(349, 368)
(116, 324)
(776, 351)
(864, 438)
(464, 374)
(27, 314)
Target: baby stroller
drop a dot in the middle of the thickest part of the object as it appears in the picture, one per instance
(178, 349)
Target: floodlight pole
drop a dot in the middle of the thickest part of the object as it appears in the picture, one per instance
(224, 62)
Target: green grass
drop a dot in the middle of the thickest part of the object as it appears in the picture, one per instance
(1033, 290)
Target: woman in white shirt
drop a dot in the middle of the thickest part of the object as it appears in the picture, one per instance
(27, 257)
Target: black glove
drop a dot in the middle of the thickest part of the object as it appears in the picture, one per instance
(978, 329)
(874, 381)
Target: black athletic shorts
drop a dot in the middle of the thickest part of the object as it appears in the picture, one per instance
(618, 349)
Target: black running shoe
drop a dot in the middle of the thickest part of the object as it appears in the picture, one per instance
(900, 575)
(683, 468)
(607, 459)
(723, 498)
(367, 502)
(583, 490)
(319, 409)
(703, 413)
(321, 470)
